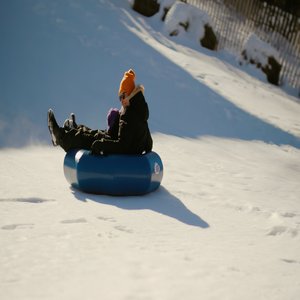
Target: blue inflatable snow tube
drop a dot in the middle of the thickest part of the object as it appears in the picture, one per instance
(119, 175)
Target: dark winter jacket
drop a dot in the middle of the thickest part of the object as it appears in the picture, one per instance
(134, 136)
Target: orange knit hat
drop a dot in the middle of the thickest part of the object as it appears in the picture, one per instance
(127, 84)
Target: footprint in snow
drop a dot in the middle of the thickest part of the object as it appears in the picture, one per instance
(74, 221)
(290, 261)
(33, 200)
(109, 219)
(123, 228)
(201, 76)
(107, 235)
(288, 215)
(278, 230)
(17, 226)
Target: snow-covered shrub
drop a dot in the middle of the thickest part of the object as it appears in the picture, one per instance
(177, 19)
(165, 6)
(264, 56)
(209, 39)
(258, 51)
(147, 8)
(183, 18)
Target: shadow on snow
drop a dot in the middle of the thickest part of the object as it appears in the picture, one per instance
(160, 201)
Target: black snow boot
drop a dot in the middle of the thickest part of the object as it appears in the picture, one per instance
(70, 123)
(55, 131)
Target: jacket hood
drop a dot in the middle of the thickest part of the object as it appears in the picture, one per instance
(138, 107)
(137, 89)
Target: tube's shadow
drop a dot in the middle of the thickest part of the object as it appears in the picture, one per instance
(160, 201)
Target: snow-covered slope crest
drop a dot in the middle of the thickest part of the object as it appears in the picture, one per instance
(74, 63)
(217, 80)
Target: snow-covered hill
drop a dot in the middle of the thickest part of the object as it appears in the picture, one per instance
(225, 222)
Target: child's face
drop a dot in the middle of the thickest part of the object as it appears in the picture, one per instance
(124, 100)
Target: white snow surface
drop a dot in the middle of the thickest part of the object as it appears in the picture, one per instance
(225, 223)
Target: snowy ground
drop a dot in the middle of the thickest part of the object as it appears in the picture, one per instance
(225, 223)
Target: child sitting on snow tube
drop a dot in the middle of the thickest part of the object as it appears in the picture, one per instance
(133, 132)
(135, 170)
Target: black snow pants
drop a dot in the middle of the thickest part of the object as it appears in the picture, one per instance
(80, 138)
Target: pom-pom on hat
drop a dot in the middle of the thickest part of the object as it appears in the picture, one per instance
(127, 84)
